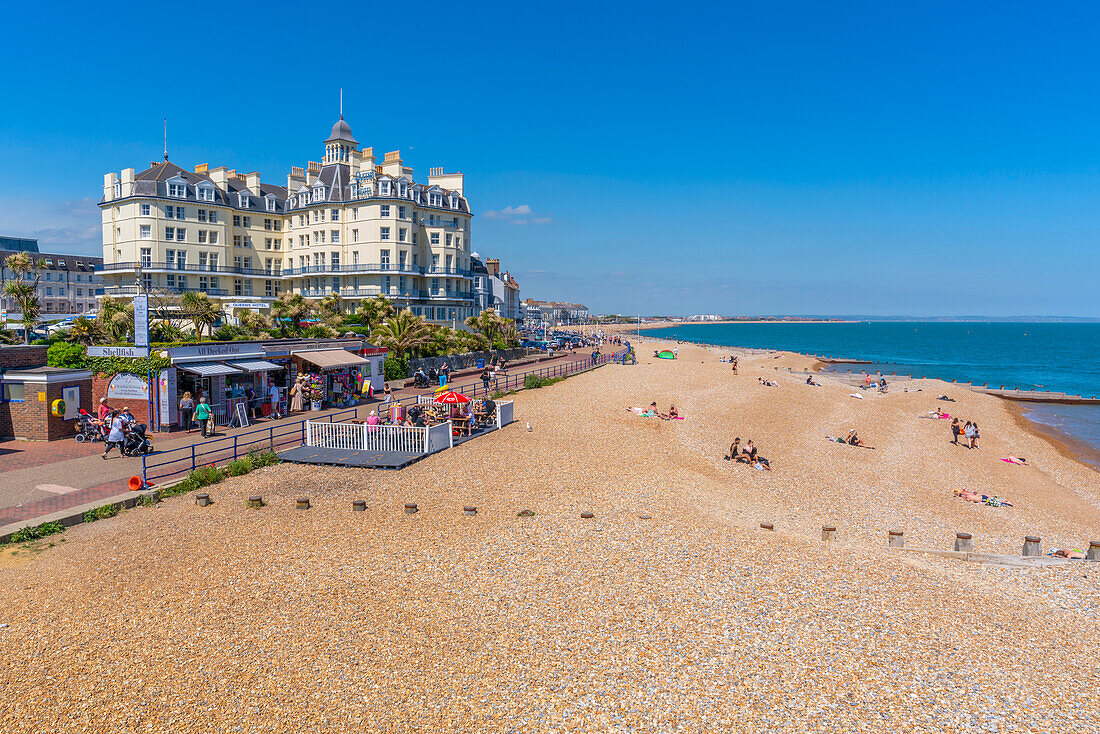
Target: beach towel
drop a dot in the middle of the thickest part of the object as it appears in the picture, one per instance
(856, 395)
(1013, 460)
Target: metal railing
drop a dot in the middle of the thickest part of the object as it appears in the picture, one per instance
(173, 463)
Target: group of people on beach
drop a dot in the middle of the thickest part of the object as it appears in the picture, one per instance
(653, 412)
(969, 432)
(747, 454)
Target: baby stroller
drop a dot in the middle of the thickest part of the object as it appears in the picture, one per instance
(136, 442)
(86, 428)
(420, 379)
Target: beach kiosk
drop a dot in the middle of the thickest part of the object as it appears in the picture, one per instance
(225, 372)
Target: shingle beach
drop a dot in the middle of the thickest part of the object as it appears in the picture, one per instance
(181, 618)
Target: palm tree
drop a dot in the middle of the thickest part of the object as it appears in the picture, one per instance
(402, 333)
(290, 307)
(488, 323)
(200, 311)
(166, 331)
(329, 310)
(84, 331)
(115, 319)
(23, 289)
(374, 311)
(253, 322)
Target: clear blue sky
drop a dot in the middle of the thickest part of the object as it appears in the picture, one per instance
(878, 158)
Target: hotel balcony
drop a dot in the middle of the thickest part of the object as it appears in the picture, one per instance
(452, 223)
(165, 267)
(129, 291)
(374, 268)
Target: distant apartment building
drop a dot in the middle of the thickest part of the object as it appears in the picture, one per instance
(69, 284)
(495, 289)
(348, 225)
(705, 317)
(553, 313)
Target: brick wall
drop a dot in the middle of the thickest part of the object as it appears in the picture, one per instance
(31, 419)
(22, 356)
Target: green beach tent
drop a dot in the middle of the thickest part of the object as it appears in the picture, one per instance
(667, 355)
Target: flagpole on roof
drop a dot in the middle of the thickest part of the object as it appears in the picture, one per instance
(166, 139)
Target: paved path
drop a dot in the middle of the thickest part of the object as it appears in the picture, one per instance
(38, 478)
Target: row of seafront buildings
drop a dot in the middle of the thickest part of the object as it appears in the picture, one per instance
(350, 225)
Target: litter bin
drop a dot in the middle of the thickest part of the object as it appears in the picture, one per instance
(481, 364)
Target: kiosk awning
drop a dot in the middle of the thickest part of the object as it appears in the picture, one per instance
(209, 369)
(328, 358)
(255, 365)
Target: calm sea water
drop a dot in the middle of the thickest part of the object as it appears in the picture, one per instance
(1059, 357)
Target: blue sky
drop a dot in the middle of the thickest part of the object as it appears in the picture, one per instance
(874, 158)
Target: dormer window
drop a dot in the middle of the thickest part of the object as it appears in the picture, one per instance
(205, 193)
(118, 190)
(242, 200)
(383, 188)
(319, 193)
(402, 190)
(177, 190)
(453, 203)
(354, 188)
(435, 200)
(271, 203)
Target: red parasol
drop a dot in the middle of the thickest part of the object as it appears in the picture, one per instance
(451, 398)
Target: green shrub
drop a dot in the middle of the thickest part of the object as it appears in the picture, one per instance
(206, 475)
(239, 467)
(146, 500)
(396, 368)
(69, 356)
(263, 458)
(36, 531)
(532, 382)
(101, 513)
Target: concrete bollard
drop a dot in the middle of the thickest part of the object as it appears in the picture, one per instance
(410, 508)
(302, 503)
(359, 505)
(1032, 545)
(896, 538)
(963, 543)
(1094, 551)
(828, 533)
(587, 516)
(202, 500)
(767, 526)
(469, 510)
(256, 501)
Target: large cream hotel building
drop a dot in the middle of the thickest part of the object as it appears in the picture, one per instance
(347, 225)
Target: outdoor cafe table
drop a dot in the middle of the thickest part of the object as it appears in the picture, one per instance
(461, 424)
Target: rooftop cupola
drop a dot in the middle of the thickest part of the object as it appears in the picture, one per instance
(340, 143)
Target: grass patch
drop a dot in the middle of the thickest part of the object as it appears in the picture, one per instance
(187, 485)
(146, 500)
(101, 513)
(535, 381)
(35, 532)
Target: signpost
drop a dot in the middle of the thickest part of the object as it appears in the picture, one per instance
(141, 321)
(133, 352)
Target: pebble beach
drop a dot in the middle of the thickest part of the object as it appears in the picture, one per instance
(669, 610)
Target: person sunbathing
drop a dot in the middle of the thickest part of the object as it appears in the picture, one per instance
(810, 381)
(672, 413)
(1016, 460)
(1066, 553)
(968, 495)
(855, 440)
(748, 454)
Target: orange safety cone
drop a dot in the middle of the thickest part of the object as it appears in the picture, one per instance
(136, 485)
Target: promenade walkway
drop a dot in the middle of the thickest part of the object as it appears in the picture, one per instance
(39, 478)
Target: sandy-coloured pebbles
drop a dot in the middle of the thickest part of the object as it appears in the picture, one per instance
(198, 619)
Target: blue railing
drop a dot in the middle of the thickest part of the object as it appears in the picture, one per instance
(174, 463)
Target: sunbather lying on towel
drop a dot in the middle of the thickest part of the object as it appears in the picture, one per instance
(991, 500)
(1016, 460)
(1066, 553)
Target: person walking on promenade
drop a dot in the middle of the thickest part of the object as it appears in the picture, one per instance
(444, 374)
(116, 436)
(273, 396)
(296, 397)
(187, 411)
(485, 379)
(202, 415)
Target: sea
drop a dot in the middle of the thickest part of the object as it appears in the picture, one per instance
(1060, 357)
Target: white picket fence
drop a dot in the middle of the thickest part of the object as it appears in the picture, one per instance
(504, 413)
(364, 437)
